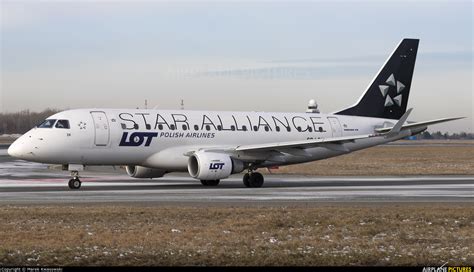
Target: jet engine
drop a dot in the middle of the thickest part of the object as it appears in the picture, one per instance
(144, 172)
(213, 166)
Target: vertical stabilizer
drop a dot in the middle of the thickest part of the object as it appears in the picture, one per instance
(387, 94)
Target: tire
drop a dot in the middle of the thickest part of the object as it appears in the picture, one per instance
(213, 182)
(246, 180)
(256, 180)
(210, 182)
(74, 184)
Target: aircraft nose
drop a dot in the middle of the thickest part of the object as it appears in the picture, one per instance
(13, 150)
(16, 149)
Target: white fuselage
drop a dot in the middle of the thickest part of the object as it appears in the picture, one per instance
(161, 138)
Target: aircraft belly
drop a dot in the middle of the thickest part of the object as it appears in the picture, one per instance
(172, 159)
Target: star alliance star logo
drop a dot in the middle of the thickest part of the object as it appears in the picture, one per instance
(82, 125)
(397, 99)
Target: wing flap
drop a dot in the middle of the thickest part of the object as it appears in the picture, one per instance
(294, 151)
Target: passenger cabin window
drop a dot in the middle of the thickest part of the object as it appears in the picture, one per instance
(62, 124)
(49, 123)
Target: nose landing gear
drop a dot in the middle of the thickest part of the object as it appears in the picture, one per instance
(74, 182)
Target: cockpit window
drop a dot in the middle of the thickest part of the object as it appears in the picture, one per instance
(47, 123)
(62, 124)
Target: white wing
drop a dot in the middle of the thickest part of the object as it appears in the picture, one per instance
(418, 124)
(301, 144)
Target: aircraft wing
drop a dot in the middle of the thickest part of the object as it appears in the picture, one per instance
(331, 143)
(418, 124)
(291, 147)
(335, 143)
(297, 148)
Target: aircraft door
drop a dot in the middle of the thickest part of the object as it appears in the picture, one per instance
(101, 128)
(335, 127)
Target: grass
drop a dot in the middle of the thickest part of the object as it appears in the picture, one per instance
(390, 234)
(393, 160)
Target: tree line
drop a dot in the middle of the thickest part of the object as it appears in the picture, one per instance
(438, 135)
(22, 121)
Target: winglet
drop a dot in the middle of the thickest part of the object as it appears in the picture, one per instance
(398, 126)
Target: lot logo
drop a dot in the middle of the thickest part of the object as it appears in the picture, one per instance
(216, 166)
(137, 138)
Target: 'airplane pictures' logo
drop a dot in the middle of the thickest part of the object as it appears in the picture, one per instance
(216, 166)
(137, 138)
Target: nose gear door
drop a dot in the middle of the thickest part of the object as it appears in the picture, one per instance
(101, 128)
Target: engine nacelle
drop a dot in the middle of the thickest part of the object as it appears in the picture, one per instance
(144, 172)
(212, 166)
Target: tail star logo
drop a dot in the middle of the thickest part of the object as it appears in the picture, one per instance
(397, 99)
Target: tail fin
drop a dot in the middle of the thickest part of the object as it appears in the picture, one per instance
(387, 95)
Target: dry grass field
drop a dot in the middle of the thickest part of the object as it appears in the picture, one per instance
(432, 158)
(390, 234)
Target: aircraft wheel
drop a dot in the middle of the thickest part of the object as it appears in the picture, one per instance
(213, 182)
(210, 182)
(246, 179)
(256, 180)
(74, 183)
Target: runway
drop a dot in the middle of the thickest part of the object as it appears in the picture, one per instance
(32, 183)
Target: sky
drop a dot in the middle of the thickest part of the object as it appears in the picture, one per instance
(232, 55)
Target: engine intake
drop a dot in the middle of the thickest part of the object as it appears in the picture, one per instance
(212, 166)
(144, 172)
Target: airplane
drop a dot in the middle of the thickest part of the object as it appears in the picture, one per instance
(212, 145)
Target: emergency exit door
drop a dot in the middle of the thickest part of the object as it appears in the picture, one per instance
(101, 128)
(335, 126)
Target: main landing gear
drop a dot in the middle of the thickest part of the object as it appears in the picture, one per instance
(74, 182)
(210, 182)
(253, 179)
